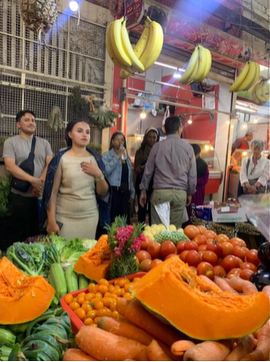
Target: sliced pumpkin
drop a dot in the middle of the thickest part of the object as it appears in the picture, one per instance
(202, 311)
(22, 298)
(95, 263)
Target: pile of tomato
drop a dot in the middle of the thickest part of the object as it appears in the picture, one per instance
(206, 253)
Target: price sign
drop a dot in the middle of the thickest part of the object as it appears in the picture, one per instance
(134, 12)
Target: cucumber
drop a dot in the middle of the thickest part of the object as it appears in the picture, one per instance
(58, 280)
(71, 279)
(83, 281)
(7, 337)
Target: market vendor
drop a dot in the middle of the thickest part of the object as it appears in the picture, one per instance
(242, 143)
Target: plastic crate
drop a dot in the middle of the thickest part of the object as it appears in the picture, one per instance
(75, 321)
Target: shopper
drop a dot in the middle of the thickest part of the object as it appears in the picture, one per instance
(242, 142)
(141, 156)
(119, 172)
(255, 170)
(16, 150)
(73, 179)
(172, 164)
(202, 176)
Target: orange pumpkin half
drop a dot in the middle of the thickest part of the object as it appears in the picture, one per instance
(22, 298)
(202, 311)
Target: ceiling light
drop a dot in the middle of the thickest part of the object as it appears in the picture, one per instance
(255, 120)
(177, 74)
(246, 108)
(244, 126)
(143, 115)
(168, 66)
(73, 5)
(228, 122)
(189, 120)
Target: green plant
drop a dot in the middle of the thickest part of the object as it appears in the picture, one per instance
(5, 199)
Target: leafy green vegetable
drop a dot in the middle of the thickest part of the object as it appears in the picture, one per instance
(29, 258)
(72, 251)
(88, 243)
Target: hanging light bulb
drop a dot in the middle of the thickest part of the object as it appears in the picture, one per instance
(189, 120)
(255, 120)
(228, 122)
(244, 126)
(73, 5)
(143, 115)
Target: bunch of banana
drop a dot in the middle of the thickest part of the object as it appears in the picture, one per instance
(143, 55)
(261, 92)
(247, 77)
(198, 66)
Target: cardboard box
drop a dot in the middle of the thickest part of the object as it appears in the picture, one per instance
(231, 216)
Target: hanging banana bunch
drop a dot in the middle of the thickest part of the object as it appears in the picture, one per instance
(247, 77)
(261, 92)
(39, 15)
(143, 55)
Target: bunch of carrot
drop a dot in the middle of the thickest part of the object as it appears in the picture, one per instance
(138, 335)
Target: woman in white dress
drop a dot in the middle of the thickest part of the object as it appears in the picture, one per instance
(77, 180)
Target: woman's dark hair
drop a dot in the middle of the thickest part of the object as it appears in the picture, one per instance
(69, 128)
(113, 137)
(196, 148)
(172, 124)
(20, 114)
(151, 129)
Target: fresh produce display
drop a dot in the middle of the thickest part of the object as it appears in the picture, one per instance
(145, 52)
(261, 92)
(198, 66)
(205, 303)
(175, 236)
(247, 77)
(22, 297)
(155, 229)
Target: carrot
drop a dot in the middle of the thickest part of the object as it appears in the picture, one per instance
(106, 346)
(245, 346)
(179, 348)
(130, 331)
(209, 351)
(242, 286)
(207, 280)
(261, 352)
(155, 352)
(224, 285)
(137, 314)
(75, 354)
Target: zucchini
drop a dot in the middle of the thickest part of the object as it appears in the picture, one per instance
(58, 280)
(83, 281)
(7, 337)
(71, 279)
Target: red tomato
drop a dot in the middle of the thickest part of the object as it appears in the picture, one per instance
(227, 248)
(193, 258)
(167, 247)
(201, 228)
(200, 239)
(215, 247)
(238, 241)
(252, 257)
(247, 265)
(202, 247)
(142, 254)
(210, 257)
(219, 271)
(145, 265)
(246, 274)
(240, 251)
(155, 262)
(191, 245)
(220, 238)
(169, 256)
(207, 269)
(153, 249)
(145, 243)
(235, 272)
(180, 246)
(230, 262)
(209, 234)
(182, 256)
(191, 231)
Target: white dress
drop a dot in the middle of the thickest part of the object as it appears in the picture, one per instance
(76, 205)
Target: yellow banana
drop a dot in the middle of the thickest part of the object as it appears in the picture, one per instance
(117, 43)
(262, 91)
(109, 47)
(250, 78)
(257, 74)
(198, 74)
(253, 94)
(241, 77)
(153, 46)
(207, 61)
(135, 62)
(186, 77)
(124, 74)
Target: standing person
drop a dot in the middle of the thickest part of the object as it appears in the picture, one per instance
(202, 176)
(72, 182)
(242, 142)
(141, 156)
(172, 163)
(119, 172)
(16, 150)
(255, 170)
